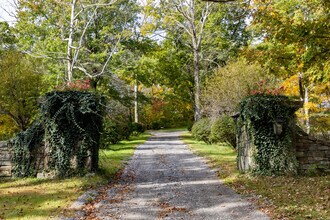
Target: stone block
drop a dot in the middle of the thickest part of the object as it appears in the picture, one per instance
(5, 173)
(300, 154)
(5, 163)
(303, 160)
(323, 147)
(5, 168)
(319, 158)
(318, 154)
(5, 156)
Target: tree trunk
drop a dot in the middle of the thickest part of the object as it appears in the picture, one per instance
(136, 113)
(70, 40)
(306, 111)
(197, 102)
(303, 91)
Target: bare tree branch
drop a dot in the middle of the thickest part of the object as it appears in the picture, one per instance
(82, 36)
(110, 55)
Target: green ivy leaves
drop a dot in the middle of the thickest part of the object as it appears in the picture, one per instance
(69, 124)
(260, 113)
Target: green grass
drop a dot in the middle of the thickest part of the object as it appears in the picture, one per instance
(282, 197)
(32, 198)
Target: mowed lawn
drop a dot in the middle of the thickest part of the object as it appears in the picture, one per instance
(282, 197)
(32, 198)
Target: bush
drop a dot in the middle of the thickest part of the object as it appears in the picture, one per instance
(156, 125)
(201, 130)
(190, 125)
(225, 88)
(137, 128)
(223, 129)
(113, 132)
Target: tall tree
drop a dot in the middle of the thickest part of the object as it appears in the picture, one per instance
(191, 16)
(294, 40)
(210, 33)
(20, 87)
(82, 35)
(135, 65)
(293, 37)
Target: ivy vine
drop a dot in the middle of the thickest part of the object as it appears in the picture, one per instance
(69, 125)
(274, 152)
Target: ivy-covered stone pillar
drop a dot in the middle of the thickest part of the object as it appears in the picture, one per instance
(67, 132)
(265, 135)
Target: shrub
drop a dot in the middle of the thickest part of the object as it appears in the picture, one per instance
(226, 87)
(223, 129)
(201, 130)
(137, 128)
(156, 125)
(113, 132)
(116, 125)
(110, 133)
(190, 125)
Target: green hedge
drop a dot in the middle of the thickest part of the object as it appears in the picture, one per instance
(201, 130)
(223, 129)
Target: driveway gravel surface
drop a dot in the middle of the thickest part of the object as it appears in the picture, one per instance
(165, 180)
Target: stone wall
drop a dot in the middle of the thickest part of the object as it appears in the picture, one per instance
(5, 160)
(313, 155)
(40, 161)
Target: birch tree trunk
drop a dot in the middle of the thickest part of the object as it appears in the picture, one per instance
(136, 110)
(193, 25)
(70, 41)
(306, 111)
(197, 104)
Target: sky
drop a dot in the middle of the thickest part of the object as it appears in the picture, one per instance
(6, 5)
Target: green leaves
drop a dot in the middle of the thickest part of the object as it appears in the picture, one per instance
(260, 114)
(70, 123)
(295, 37)
(20, 87)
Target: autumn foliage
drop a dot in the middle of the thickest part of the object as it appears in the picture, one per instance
(78, 85)
(263, 90)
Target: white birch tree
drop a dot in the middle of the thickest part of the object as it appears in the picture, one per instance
(67, 32)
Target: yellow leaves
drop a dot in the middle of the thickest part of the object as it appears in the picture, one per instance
(326, 69)
(147, 28)
(168, 20)
(291, 86)
(7, 127)
(311, 106)
(300, 66)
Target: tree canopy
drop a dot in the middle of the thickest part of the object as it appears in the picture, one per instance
(159, 57)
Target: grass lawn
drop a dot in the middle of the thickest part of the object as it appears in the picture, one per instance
(283, 197)
(32, 198)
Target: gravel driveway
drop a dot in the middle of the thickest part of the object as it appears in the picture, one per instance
(165, 180)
